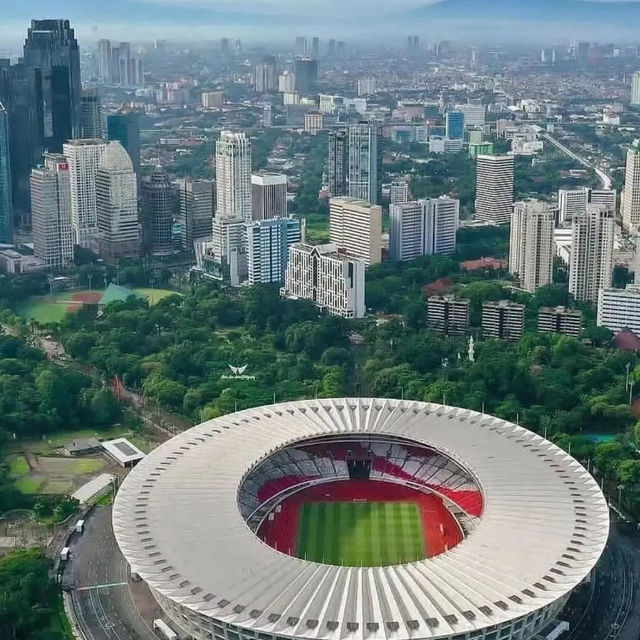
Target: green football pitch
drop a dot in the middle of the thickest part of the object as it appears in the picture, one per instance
(354, 534)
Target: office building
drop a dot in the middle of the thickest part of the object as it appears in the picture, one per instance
(213, 99)
(91, 119)
(51, 212)
(6, 204)
(365, 154)
(125, 129)
(268, 243)
(313, 122)
(605, 197)
(306, 75)
(355, 227)
(494, 188)
(338, 163)
(448, 315)
(630, 205)
(268, 195)
(195, 211)
(315, 47)
(574, 201)
(560, 320)
(229, 247)
(635, 89)
(157, 208)
(233, 176)
(265, 76)
(454, 125)
(619, 309)
(367, 86)
(531, 245)
(301, 46)
(474, 114)
(591, 261)
(84, 157)
(52, 48)
(399, 192)
(503, 319)
(117, 205)
(104, 61)
(332, 281)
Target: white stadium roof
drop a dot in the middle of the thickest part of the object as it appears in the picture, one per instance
(544, 525)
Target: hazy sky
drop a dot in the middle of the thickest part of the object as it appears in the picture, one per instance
(264, 20)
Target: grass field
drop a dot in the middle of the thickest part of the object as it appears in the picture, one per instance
(360, 533)
(18, 466)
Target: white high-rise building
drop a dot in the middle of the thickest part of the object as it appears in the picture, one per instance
(531, 246)
(591, 262)
(233, 176)
(494, 188)
(574, 201)
(474, 113)
(117, 204)
(268, 243)
(619, 309)
(330, 279)
(367, 86)
(268, 195)
(287, 82)
(630, 206)
(364, 162)
(84, 157)
(399, 192)
(51, 212)
(635, 89)
(355, 226)
(443, 215)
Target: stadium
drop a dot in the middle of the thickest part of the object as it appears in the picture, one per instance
(360, 518)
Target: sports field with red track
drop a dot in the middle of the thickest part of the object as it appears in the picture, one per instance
(361, 523)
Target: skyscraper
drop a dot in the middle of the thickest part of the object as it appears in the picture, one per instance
(301, 45)
(6, 206)
(338, 164)
(117, 204)
(51, 212)
(268, 195)
(364, 162)
(196, 210)
(635, 89)
(306, 72)
(454, 121)
(591, 263)
(265, 77)
(157, 212)
(355, 226)
(631, 194)
(531, 246)
(442, 220)
(125, 128)
(494, 188)
(91, 119)
(104, 61)
(233, 176)
(84, 157)
(315, 47)
(51, 46)
(399, 192)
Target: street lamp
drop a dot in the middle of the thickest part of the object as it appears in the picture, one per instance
(620, 488)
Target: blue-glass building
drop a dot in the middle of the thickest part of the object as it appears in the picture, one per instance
(455, 125)
(6, 208)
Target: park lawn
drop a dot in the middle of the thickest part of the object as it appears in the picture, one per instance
(18, 466)
(155, 295)
(29, 484)
(42, 311)
(61, 487)
(360, 533)
(83, 466)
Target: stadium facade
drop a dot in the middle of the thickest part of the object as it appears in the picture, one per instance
(198, 521)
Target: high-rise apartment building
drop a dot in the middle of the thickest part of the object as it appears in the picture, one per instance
(213, 99)
(196, 209)
(454, 125)
(306, 75)
(574, 201)
(355, 227)
(313, 122)
(494, 188)
(630, 207)
(84, 157)
(91, 118)
(591, 262)
(157, 207)
(399, 192)
(338, 163)
(443, 215)
(125, 128)
(635, 89)
(268, 195)
(117, 205)
(52, 48)
(332, 281)
(104, 60)
(365, 154)
(233, 176)
(560, 320)
(619, 309)
(265, 76)
(268, 243)
(287, 82)
(51, 212)
(531, 245)
(6, 205)
(448, 315)
(503, 319)
(367, 86)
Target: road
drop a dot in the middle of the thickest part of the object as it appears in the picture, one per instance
(103, 594)
(602, 176)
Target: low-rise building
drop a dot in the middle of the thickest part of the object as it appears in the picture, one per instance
(560, 320)
(448, 315)
(503, 319)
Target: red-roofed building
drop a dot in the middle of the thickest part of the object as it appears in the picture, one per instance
(441, 285)
(483, 264)
(627, 341)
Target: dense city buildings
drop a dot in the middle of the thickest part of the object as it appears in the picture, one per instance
(619, 309)
(630, 205)
(196, 199)
(91, 117)
(117, 205)
(233, 175)
(51, 212)
(503, 319)
(448, 315)
(591, 265)
(156, 209)
(560, 320)
(364, 162)
(531, 245)
(125, 128)
(268, 195)
(494, 188)
(355, 227)
(338, 163)
(332, 281)
(6, 202)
